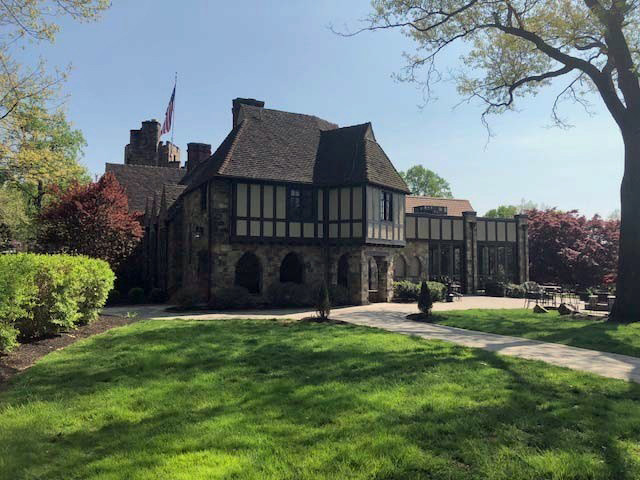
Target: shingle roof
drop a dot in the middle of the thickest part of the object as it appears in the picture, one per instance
(455, 206)
(291, 147)
(141, 182)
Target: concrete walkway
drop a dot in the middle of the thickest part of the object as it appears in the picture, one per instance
(392, 317)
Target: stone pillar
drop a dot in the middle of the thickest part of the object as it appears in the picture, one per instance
(522, 237)
(363, 275)
(470, 267)
(385, 278)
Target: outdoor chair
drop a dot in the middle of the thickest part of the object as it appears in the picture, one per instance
(534, 293)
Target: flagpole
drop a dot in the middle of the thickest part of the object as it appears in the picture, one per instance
(173, 123)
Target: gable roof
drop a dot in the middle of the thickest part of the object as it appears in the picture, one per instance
(141, 182)
(280, 146)
(455, 206)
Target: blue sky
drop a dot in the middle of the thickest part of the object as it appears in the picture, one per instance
(283, 52)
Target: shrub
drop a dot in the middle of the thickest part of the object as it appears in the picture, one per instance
(45, 294)
(438, 291)
(136, 295)
(425, 302)
(514, 290)
(405, 291)
(495, 288)
(114, 297)
(323, 305)
(8, 337)
(157, 295)
(227, 298)
(290, 295)
(339, 295)
(187, 297)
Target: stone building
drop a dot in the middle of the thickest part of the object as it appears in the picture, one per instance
(288, 197)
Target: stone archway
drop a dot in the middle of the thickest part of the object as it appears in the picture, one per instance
(292, 269)
(399, 267)
(249, 273)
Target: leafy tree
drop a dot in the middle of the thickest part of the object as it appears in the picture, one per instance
(567, 248)
(34, 21)
(92, 220)
(503, 211)
(425, 302)
(41, 149)
(515, 47)
(16, 221)
(422, 181)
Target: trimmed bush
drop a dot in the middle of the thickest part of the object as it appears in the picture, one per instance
(136, 295)
(290, 295)
(45, 294)
(406, 291)
(228, 298)
(114, 298)
(323, 305)
(425, 302)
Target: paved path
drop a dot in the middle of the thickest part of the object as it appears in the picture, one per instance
(392, 317)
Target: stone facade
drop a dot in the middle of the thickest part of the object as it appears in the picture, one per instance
(293, 198)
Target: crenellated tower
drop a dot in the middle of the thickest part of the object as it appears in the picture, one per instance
(146, 148)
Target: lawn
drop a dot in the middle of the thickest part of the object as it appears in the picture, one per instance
(548, 327)
(175, 399)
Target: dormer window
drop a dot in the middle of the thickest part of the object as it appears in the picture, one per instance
(386, 206)
(301, 205)
(430, 210)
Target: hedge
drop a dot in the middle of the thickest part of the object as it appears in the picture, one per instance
(406, 291)
(45, 294)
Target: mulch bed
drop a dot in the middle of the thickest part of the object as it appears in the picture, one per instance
(27, 354)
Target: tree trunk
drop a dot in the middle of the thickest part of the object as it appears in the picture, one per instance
(627, 305)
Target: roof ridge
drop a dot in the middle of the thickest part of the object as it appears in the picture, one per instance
(439, 198)
(234, 142)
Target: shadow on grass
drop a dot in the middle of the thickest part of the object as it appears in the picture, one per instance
(274, 400)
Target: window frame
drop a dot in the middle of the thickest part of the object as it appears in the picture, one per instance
(305, 208)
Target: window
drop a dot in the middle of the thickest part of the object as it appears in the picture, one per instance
(301, 205)
(343, 271)
(386, 206)
(203, 197)
(430, 209)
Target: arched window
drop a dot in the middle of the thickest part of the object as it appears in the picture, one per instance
(291, 269)
(373, 274)
(414, 267)
(249, 273)
(399, 267)
(343, 270)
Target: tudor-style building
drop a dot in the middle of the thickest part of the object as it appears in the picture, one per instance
(289, 197)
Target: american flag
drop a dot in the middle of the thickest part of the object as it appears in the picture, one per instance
(168, 116)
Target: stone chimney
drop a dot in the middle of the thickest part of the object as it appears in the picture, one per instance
(196, 154)
(243, 101)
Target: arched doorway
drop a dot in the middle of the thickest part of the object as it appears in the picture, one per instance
(249, 273)
(399, 268)
(415, 269)
(291, 269)
(343, 271)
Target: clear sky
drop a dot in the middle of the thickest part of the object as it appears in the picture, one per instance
(282, 52)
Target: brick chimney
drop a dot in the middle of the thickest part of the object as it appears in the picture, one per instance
(196, 154)
(243, 101)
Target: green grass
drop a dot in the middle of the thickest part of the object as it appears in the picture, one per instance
(240, 399)
(549, 327)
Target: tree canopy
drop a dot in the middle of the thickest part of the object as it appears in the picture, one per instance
(422, 181)
(40, 149)
(92, 220)
(515, 47)
(503, 211)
